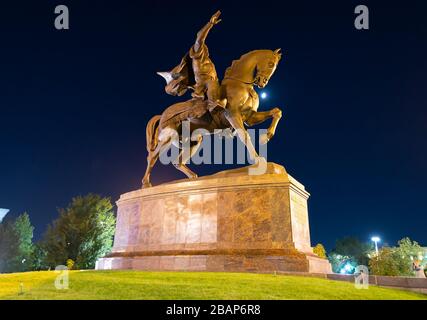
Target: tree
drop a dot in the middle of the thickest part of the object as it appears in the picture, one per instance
(39, 257)
(389, 262)
(16, 244)
(319, 250)
(8, 245)
(24, 230)
(354, 249)
(410, 250)
(83, 232)
(397, 261)
(349, 252)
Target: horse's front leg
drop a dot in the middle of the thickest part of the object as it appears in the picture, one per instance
(259, 117)
(236, 121)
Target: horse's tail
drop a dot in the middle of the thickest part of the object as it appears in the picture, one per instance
(152, 133)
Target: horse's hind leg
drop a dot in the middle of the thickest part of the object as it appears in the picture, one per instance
(183, 157)
(151, 161)
(152, 158)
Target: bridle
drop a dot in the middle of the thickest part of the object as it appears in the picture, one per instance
(239, 80)
(246, 82)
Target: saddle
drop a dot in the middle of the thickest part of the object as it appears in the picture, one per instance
(191, 109)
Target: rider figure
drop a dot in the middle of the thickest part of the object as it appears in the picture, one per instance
(196, 71)
(204, 70)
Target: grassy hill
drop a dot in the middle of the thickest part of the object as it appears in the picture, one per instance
(185, 285)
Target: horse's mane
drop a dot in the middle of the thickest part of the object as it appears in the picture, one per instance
(236, 63)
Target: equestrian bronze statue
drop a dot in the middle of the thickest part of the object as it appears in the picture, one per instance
(231, 104)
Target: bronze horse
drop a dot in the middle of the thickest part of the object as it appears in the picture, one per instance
(253, 68)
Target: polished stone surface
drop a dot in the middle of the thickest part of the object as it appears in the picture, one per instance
(230, 221)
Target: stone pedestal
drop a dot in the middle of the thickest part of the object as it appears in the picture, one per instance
(230, 221)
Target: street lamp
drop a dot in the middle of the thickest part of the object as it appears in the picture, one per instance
(376, 240)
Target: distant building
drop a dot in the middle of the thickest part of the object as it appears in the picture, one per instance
(3, 213)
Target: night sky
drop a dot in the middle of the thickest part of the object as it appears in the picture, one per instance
(74, 104)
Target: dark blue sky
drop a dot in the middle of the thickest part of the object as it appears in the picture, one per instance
(74, 104)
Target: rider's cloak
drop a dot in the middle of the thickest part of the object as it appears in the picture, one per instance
(181, 78)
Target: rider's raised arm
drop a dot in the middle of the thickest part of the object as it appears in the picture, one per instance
(201, 36)
(203, 33)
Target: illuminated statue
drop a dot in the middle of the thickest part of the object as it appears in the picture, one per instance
(231, 105)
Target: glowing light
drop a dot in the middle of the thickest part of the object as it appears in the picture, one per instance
(348, 268)
(263, 95)
(376, 239)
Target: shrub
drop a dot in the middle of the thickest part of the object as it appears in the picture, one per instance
(70, 264)
(319, 250)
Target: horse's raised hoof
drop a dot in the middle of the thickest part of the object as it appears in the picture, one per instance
(263, 138)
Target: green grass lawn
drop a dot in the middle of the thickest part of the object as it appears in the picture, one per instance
(186, 285)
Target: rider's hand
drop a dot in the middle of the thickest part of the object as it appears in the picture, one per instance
(214, 20)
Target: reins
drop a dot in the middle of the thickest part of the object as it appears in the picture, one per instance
(239, 80)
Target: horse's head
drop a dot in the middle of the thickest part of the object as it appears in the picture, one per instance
(266, 66)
